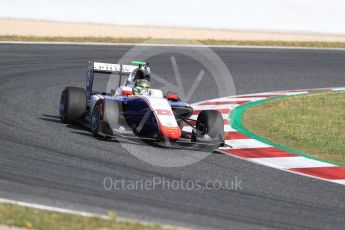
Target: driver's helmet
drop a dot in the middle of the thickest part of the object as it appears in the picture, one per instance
(138, 74)
(141, 86)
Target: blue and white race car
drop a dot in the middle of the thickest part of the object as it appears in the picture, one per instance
(134, 110)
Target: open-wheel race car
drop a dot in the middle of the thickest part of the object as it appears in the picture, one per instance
(133, 110)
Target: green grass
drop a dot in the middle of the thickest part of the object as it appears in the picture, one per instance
(313, 124)
(14, 215)
(172, 41)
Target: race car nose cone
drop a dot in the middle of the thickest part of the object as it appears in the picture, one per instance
(171, 132)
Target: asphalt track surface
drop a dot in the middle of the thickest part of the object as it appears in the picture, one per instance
(46, 162)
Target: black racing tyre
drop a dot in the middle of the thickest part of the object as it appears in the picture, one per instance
(112, 110)
(104, 117)
(72, 104)
(211, 122)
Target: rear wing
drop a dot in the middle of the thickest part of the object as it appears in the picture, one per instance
(107, 68)
(99, 67)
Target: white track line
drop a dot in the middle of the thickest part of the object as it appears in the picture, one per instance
(53, 209)
(227, 128)
(290, 162)
(339, 181)
(339, 89)
(246, 143)
(215, 107)
(230, 99)
(295, 93)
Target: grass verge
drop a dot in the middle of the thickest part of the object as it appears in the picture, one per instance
(313, 124)
(172, 41)
(29, 218)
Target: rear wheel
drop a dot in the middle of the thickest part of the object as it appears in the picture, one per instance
(72, 104)
(211, 123)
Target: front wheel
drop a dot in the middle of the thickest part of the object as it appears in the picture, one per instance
(95, 119)
(210, 124)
